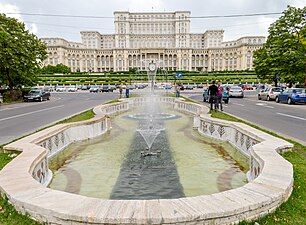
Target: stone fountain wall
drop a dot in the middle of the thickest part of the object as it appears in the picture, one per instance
(270, 183)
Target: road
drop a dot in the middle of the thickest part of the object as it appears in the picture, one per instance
(287, 120)
(17, 120)
(20, 119)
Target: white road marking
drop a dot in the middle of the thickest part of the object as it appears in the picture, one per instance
(28, 105)
(260, 104)
(295, 117)
(238, 104)
(265, 105)
(24, 114)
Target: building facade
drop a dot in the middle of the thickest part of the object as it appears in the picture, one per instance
(164, 38)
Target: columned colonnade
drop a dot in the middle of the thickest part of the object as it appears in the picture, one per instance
(176, 59)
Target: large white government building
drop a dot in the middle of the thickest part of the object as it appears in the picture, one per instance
(164, 38)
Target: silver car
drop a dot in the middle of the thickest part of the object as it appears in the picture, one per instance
(236, 91)
(270, 93)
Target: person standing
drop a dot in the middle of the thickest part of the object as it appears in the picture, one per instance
(219, 96)
(127, 92)
(212, 92)
(177, 91)
(120, 91)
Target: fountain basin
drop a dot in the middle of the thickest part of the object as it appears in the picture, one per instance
(271, 178)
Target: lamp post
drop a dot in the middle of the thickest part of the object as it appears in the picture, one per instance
(276, 78)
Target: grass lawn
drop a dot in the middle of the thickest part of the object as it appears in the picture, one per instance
(292, 212)
(112, 101)
(89, 114)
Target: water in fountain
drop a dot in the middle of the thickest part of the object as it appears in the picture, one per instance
(145, 157)
(150, 128)
(149, 171)
(149, 131)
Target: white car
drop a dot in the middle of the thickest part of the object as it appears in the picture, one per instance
(72, 89)
(236, 91)
(94, 88)
(60, 89)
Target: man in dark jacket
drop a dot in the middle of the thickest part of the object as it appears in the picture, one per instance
(212, 92)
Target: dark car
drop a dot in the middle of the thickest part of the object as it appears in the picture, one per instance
(107, 88)
(141, 86)
(37, 95)
(84, 87)
(292, 95)
(112, 88)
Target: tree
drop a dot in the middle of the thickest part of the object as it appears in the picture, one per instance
(21, 53)
(284, 53)
(59, 68)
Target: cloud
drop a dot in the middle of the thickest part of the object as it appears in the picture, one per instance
(59, 26)
(145, 5)
(32, 27)
(9, 8)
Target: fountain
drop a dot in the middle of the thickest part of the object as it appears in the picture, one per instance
(144, 155)
(149, 132)
(150, 129)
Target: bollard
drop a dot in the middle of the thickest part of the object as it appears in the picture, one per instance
(1, 99)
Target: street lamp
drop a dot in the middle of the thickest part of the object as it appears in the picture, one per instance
(276, 78)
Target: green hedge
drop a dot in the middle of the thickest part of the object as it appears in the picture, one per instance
(116, 78)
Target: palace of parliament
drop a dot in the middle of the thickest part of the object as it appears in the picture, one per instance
(164, 38)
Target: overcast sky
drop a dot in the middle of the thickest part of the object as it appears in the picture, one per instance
(69, 28)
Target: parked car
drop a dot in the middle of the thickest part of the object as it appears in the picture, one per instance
(49, 88)
(168, 87)
(37, 95)
(112, 88)
(189, 87)
(106, 88)
(94, 88)
(205, 95)
(1, 98)
(141, 86)
(199, 85)
(269, 94)
(261, 87)
(72, 89)
(132, 87)
(225, 96)
(236, 91)
(60, 89)
(84, 87)
(247, 87)
(292, 95)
